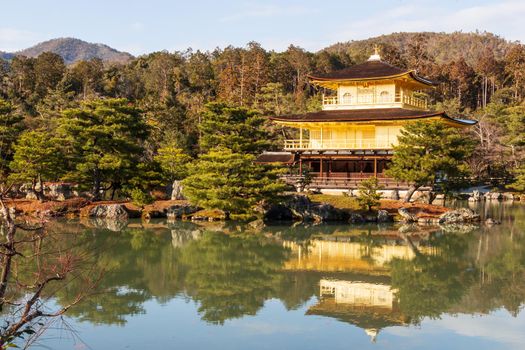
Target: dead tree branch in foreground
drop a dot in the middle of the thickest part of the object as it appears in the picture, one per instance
(22, 304)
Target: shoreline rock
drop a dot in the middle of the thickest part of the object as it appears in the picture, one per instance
(407, 215)
(462, 215)
(111, 211)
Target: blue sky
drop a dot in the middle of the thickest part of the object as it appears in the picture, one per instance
(150, 25)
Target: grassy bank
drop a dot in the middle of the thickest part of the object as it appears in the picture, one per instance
(391, 206)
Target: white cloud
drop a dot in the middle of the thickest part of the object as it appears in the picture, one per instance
(499, 327)
(12, 39)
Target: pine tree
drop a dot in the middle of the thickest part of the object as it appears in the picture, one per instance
(105, 143)
(49, 68)
(519, 180)
(173, 162)
(236, 128)
(428, 152)
(369, 196)
(232, 182)
(10, 128)
(37, 158)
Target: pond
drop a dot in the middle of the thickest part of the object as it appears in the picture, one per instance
(223, 286)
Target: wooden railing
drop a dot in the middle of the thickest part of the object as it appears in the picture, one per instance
(415, 101)
(407, 99)
(330, 100)
(336, 144)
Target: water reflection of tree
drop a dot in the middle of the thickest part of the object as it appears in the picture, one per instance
(231, 276)
(128, 280)
(502, 278)
(430, 284)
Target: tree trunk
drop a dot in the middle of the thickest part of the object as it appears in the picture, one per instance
(411, 244)
(176, 190)
(9, 250)
(431, 196)
(95, 191)
(411, 190)
(38, 188)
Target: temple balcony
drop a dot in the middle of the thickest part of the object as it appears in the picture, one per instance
(374, 101)
(337, 144)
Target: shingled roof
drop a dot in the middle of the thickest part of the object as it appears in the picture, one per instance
(364, 115)
(369, 70)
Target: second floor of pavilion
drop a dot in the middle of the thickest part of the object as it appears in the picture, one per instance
(372, 84)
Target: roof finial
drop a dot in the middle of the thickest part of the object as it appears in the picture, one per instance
(375, 56)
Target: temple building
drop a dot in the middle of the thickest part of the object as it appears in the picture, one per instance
(364, 107)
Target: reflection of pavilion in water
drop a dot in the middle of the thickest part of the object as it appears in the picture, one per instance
(365, 300)
(349, 256)
(370, 306)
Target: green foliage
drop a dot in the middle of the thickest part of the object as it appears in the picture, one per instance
(231, 276)
(305, 180)
(37, 155)
(140, 197)
(476, 71)
(235, 128)
(369, 196)
(49, 69)
(452, 106)
(430, 284)
(273, 99)
(173, 162)
(232, 182)
(104, 139)
(10, 128)
(519, 180)
(428, 151)
(513, 119)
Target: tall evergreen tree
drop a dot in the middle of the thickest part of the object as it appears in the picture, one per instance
(37, 158)
(10, 128)
(105, 143)
(49, 69)
(232, 182)
(236, 128)
(428, 152)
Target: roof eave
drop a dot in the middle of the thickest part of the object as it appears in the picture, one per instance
(410, 73)
(462, 122)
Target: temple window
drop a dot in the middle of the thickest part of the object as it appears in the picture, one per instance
(365, 95)
(347, 98)
(384, 96)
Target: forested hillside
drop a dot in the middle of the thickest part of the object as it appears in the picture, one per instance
(482, 76)
(73, 50)
(442, 47)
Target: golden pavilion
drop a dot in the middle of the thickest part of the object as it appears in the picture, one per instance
(363, 110)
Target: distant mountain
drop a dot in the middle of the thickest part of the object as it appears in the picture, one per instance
(442, 47)
(5, 55)
(72, 50)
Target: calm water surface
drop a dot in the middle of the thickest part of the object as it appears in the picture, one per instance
(184, 286)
